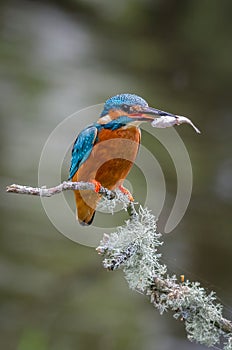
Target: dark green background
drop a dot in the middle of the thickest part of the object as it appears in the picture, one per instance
(58, 57)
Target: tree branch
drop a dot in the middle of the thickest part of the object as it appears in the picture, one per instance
(64, 186)
(134, 247)
(172, 289)
(116, 196)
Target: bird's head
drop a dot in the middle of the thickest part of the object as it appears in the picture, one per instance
(131, 108)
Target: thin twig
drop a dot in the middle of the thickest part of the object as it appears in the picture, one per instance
(69, 185)
(64, 186)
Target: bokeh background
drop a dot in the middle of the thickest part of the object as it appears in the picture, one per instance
(58, 57)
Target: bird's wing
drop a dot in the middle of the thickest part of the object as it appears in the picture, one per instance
(82, 148)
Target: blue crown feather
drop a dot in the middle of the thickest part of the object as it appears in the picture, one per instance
(118, 100)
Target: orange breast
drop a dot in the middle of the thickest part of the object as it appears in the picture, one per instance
(112, 157)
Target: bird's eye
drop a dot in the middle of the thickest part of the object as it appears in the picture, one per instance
(126, 108)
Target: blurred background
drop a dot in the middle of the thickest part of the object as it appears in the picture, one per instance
(58, 57)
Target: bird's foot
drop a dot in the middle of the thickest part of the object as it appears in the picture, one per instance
(96, 184)
(126, 192)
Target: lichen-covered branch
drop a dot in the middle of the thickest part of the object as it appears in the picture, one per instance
(134, 247)
(112, 197)
(64, 186)
(170, 289)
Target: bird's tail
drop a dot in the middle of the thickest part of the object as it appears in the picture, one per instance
(86, 203)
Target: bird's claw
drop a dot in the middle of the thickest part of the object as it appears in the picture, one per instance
(96, 184)
(126, 192)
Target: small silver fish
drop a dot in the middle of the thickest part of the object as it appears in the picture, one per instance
(167, 121)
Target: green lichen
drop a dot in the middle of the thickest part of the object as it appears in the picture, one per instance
(134, 247)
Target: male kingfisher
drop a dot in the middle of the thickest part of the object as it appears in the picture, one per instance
(105, 151)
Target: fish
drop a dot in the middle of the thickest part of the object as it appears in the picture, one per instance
(167, 121)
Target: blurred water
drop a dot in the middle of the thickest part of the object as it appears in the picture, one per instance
(58, 57)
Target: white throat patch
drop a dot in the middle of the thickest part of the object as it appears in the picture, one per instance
(104, 120)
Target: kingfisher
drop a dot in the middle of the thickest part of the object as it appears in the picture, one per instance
(104, 152)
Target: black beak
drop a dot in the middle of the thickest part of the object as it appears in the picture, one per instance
(156, 112)
(149, 113)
